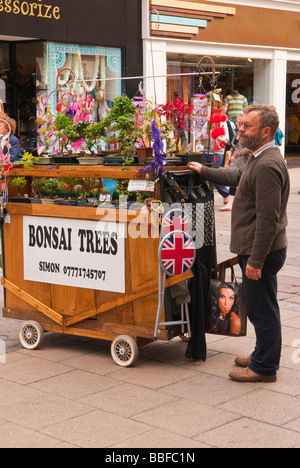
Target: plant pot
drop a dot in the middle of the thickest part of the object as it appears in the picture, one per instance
(174, 161)
(93, 161)
(66, 202)
(116, 160)
(35, 200)
(64, 160)
(143, 154)
(187, 158)
(20, 200)
(44, 160)
(47, 201)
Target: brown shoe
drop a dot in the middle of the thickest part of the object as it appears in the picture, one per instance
(243, 361)
(247, 375)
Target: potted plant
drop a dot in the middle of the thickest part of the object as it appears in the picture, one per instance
(179, 114)
(37, 186)
(52, 186)
(166, 129)
(120, 122)
(18, 183)
(67, 134)
(92, 132)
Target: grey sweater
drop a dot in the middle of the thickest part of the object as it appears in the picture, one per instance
(259, 213)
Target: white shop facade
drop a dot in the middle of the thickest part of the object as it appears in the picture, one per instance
(250, 56)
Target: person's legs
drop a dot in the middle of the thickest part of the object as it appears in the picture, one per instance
(263, 311)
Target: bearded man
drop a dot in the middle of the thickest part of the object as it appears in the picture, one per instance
(258, 236)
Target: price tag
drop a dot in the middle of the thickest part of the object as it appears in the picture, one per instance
(141, 186)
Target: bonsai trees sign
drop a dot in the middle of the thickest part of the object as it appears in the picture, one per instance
(79, 253)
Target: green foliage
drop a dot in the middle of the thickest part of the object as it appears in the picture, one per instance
(18, 183)
(93, 132)
(53, 186)
(120, 121)
(27, 160)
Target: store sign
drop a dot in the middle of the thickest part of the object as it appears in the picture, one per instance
(38, 9)
(79, 253)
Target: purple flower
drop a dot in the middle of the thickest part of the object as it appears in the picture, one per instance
(159, 155)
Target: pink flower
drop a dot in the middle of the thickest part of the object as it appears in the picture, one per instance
(77, 144)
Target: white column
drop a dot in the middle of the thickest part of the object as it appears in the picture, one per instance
(278, 80)
(155, 64)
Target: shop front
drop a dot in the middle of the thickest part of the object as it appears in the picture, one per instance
(253, 57)
(82, 48)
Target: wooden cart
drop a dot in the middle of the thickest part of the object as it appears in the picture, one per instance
(126, 318)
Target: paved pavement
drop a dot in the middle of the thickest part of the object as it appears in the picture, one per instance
(70, 394)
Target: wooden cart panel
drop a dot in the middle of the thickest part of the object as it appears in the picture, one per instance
(82, 311)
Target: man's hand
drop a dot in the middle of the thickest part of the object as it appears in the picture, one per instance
(194, 166)
(253, 273)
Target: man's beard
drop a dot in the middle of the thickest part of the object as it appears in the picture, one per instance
(252, 143)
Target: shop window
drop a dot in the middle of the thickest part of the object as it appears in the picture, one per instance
(248, 76)
(28, 80)
(79, 71)
(245, 76)
(293, 107)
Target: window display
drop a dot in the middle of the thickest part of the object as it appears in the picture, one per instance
(79, 71)
(70, 74)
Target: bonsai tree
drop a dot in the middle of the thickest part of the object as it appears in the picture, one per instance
(53, 186)
(19, 183)
(67, 132)
(179, 113)
(166, 129)
(38, 184)
(121, 122)
(92, 133)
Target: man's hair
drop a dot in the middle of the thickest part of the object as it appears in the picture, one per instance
(268, 116)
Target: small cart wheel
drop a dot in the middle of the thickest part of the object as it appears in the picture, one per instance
(124, 351)
(31, 335)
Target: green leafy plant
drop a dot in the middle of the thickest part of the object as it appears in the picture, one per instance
(53, 186)
(27, 160)
(92, 133)
(18, 183)
(38, 184)
(120, 121)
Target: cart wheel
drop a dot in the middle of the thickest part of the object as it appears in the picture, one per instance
(124, 351)
(31, 335)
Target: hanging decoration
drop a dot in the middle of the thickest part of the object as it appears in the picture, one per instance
(88, 86)
(6, 166)
(218, 131)
(158, 146)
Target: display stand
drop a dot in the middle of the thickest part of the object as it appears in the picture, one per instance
(126, 318)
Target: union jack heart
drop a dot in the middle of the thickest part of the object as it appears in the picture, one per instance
(175, 222)
(177, 253)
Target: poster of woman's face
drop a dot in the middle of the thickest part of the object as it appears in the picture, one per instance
(227, 315)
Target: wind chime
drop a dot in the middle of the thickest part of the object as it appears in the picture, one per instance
(215, 115)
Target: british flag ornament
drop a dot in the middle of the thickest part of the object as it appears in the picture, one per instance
(177, 253)
(178, 221)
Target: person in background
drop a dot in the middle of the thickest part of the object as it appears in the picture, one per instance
(216, 158)
(7, 130)
(239, 158)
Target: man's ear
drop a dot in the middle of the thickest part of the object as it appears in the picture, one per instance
(267, 132)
